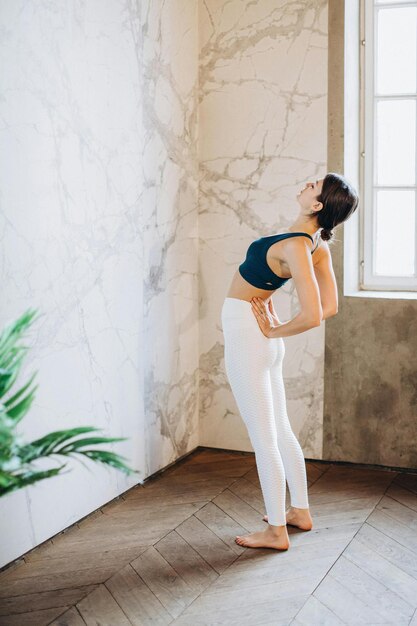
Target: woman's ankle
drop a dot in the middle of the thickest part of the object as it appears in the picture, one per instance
(278, 530)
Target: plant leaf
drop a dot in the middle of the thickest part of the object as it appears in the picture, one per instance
(12, 482)
(109, 458)
(21, 391)
(21, 408)
(46, 444)
(87, 441)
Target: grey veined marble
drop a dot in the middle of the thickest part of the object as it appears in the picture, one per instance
(145, 145)
(262, 133)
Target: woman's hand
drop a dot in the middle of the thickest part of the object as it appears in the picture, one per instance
(273, 312)
(265, 315)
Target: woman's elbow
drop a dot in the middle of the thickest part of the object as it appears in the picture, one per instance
(329, 313)
(313, 320)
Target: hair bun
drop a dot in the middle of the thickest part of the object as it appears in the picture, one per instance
(326, 234)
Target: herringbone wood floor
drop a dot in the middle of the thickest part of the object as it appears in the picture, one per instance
(164, 553)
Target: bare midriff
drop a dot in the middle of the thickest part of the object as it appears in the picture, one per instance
(241, 289)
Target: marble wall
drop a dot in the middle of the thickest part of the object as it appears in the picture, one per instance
(99, 180)
(263, 133)
(146, 144)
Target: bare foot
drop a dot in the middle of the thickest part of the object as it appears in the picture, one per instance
(265, 539)
(300, 518)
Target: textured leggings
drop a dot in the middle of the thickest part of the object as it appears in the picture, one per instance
(253, 365)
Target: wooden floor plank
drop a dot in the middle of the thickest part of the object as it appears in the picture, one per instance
(347, 606)
(258, 575)
(333, 495)
(227, 467)
(398, 511)
(395, 579)
(404, 496)
(222, 525)
(254, 613)
(42, 600)
(214, 456)
(99, 607)
(407, 480)
(395, 529)
(314, 472)
(192, 568)
(249, 493)
(389, 548)
(33, 618)
(69, 618)
(138, 602)
(164, 552)
(56, 580)
(314, 612)
(213, 550)
(240, 511)
(346, 512)
(173, 592)
(233, 598)
(303, 552)
(372, 592)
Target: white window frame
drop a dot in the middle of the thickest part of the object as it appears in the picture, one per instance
(368, 102)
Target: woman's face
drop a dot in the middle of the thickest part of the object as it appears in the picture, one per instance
(307, 196)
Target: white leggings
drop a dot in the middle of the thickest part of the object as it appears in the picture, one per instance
(253, 365)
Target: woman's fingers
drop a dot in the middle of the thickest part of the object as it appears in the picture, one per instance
(259, 304)
(258, 300)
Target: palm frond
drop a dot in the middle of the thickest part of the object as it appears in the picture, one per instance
(12, 482)
(109, 458)
(87, 441)
(15, 459)
(13, 399)
(11, 371)
(20, 409)
(46, 444)
(13, 331)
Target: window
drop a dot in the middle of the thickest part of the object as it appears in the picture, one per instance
(388, 138)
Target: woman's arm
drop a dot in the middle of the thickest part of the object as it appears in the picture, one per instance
(273, 312)
(326, 280)
(298, 258)
(298, 324)
(272, 327)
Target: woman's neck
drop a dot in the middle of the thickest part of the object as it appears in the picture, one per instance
(301, 226)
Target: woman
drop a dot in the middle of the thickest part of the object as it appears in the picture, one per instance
(254, 347)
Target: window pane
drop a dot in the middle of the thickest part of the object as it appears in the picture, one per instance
(395, 232)
(395, 142)
(396, 50)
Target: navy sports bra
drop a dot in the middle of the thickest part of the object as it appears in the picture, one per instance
(255, 269)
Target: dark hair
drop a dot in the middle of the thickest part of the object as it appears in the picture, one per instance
(339, 199)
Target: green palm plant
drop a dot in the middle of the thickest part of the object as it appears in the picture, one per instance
(17, 457)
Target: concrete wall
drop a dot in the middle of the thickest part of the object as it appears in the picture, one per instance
(370, 374)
